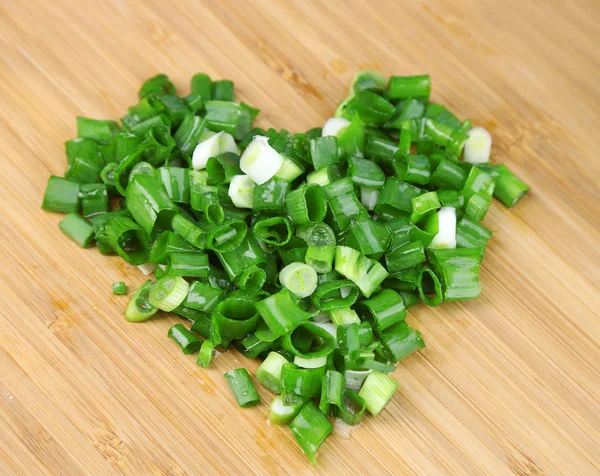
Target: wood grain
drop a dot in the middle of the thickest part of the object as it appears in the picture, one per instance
(509, 383)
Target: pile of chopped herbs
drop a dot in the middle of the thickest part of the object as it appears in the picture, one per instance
(303, 250)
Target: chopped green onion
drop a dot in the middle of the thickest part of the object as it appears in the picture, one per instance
(141, 128)
(222, 90)
(371, 108)
(143, 168)
(139, 308)
(412, 168)
(312, 363)
(253, 111)
(62, 195)
(395, 198)
(122, 173)
(311, 428)
(189, 231)
(252, 346)
(100, 131)
(260, 161)
(400, 340)
(309, 341)
(368, 197)
(202, 85)
(184, 338)
(306, 204)
(242, 387)
(233, 318)
(243, 263)
(423, 206)
(159, 143)
(241, 190)
(206, 354)
(332, 391)
(294, 250)
(269, 372)
(509, 188)
(188, 263)
(368, 236)
(451, 198)
(381, 149)
(429, 287)
(94, 198)
(281, 313)
(299, 278)
(446, 174)
(212, 146)
(478, 146)
(205, 198)
(402, 232)
(166, 243)
(176, 182)
(270, 195)
(344, 316)
(343, 202)
(174, 107)
(203, 297)
(335, 126)
(368, 81)
(107, 175)
(406, 110)
(477, 206)
(282, 413)
(169, 292)
(348, 339)
(470, 234)
(149, 204)
(325, 176)
(189, 133)
(324, 151)
(426, 230)
(119, 288)
(320, 252)
(458, 270)
(311, 279)
(302, 382)
(128, 239)
(290, 169)
(275, 230)
(352, 140)
(410, 298)
(478, 183)
(223, 167)
(226, 236)
(366, 173)
(386, 309)
(229, 117)
(446, 235)
(201, 323)
(85, 169)
(366, 273)
(377, 390)
(352, 409)
(81, 149)
(335, 294)
(404, 87)
(158, 85)
(78, 229)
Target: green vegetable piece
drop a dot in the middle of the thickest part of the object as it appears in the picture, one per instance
(242, 387)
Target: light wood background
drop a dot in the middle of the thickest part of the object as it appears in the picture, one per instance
(509, 383)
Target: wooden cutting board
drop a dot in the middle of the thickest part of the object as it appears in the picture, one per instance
(509, 383)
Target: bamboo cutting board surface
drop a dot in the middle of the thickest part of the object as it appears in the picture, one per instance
(508, 384)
